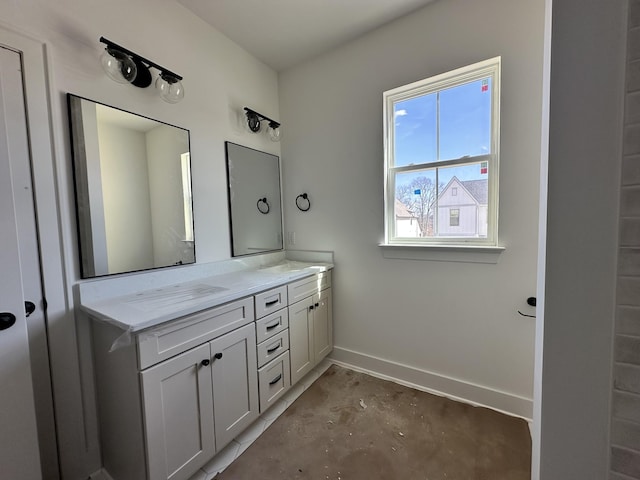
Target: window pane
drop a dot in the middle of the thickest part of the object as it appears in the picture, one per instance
(454, 217)
(465, 120)
(469, 204)
(415, 204)
(415, 130)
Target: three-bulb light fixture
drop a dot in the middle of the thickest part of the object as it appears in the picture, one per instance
(254, 124)
(124, 66)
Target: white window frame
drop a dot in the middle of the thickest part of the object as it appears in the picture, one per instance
(187, 196)
(488, 68)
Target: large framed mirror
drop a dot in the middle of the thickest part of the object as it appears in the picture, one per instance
(255, 203)
(133, 190)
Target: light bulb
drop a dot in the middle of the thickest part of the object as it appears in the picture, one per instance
(275, 133)
(118, 66)
(170, 88)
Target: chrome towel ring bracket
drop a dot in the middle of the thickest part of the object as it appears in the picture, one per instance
(263, 206)
(302, 202)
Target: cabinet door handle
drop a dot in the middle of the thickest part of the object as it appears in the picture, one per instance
(273, 349)
(275, 380)
(271, 303)
(317, 305)
(217, 356)
(310, 307)
(205, 362)
(273, 325)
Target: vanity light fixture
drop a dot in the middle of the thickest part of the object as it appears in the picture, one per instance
(254, 123)
(124, 66)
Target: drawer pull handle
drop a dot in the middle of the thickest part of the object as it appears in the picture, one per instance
(271, 303)
(205, 362)
(273, 349)
(275, 380)
(217, 356)
(273, 325)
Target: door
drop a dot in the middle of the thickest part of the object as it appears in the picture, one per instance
(19, 452)
(235, 383)
(322, 325)
(301, 338)
(178, 412)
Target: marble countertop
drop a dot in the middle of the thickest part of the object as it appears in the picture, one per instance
(145, 309)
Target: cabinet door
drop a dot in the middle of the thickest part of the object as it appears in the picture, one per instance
(301, 338)
(178, 413)
(322, 325)
(235, 383)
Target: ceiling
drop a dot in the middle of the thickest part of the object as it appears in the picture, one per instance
(283, 33)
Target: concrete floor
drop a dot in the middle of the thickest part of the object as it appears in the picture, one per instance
(349, 425)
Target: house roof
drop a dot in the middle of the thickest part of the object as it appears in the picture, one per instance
(479, 189)
(401, 209)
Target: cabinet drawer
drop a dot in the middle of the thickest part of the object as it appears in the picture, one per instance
(270, 325)
(308, 286)
(190, 331)
(274, 380)
(270, 301)
(271, 348)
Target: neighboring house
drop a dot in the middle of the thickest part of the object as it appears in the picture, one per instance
(407, 224)
(462, 209)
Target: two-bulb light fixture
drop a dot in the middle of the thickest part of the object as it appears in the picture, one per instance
(125, 66)
(254, 124)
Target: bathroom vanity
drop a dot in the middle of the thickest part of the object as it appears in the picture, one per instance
(183, 369)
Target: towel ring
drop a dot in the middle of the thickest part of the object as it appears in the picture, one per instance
(261, 209)
(304, 197)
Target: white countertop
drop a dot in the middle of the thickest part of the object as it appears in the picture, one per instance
(145, 309)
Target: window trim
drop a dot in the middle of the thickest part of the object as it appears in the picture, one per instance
(488, 68)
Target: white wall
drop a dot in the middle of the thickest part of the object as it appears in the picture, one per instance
(165, 145)
(94, 239)
(219, 79)
(404, 311)
(126, 199)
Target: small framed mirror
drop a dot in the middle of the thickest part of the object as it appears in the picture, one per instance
(133, 190)
(255, 204)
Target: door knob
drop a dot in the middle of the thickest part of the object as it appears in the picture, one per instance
(7, 320)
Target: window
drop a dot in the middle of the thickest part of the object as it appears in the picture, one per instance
(441, 158)
(187, 198)
(454, 217)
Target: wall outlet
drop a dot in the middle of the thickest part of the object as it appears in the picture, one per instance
(291, 238)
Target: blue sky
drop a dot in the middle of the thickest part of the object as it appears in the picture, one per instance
(465, 128)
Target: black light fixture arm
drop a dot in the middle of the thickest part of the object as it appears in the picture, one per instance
(163, 71)
(272, 123)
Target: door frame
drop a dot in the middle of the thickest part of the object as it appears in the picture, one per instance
(61, 328)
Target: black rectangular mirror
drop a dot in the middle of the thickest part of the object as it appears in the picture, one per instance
(253, 180)
(133, 190)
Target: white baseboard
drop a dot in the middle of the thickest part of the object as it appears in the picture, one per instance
(437, 384)
(100, 475)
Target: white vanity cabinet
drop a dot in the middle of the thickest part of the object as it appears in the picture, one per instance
(166, 420)
(272, 332)
(180, 391)
(235, 386)
(310, 323)
(177, 401)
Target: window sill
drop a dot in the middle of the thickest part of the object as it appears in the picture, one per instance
(443, 253)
